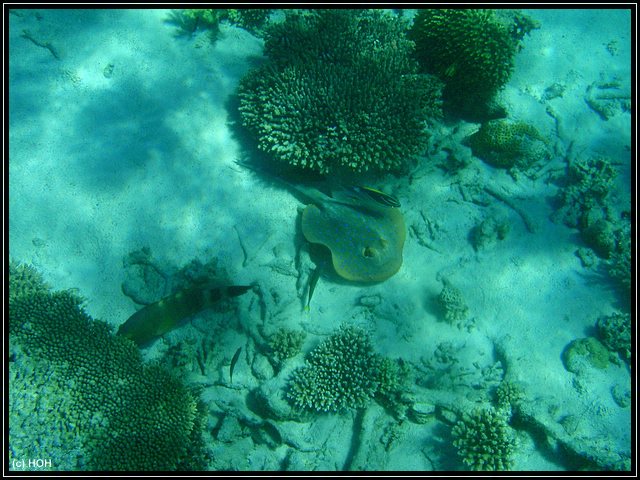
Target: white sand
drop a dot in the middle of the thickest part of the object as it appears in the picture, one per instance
(103, 166)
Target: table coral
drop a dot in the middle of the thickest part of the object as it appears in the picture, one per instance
(42, 416)
(334, 98)
(25, 280)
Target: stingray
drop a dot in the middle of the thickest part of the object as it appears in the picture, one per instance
(362, 227)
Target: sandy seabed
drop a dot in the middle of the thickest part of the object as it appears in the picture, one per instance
(120, 138)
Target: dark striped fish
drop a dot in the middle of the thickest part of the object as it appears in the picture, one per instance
(377, 196)
(156, 319)
(355, 195)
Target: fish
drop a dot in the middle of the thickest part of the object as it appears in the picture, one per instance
(156, 319)
(376, 195)
(366, 200)
(349, 194)
(234, 360)
(313, 281)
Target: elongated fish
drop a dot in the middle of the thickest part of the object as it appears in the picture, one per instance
(234, 360)
(365, 200)
(376, 195)
(313, 281)
(156, 319)
(352, 195)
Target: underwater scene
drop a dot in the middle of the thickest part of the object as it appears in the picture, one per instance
(320, 240)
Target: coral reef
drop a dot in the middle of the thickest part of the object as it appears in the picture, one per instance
(484, 440)
(620, 258)
(127, 415)
(394, 377)
(25, 280)
(488, 232)
(584, 198)
(471, 50)
(253, 20)
(608, 98)
(190, 20)
(584, 353)
(621, 395)
(586, 202)
(506, 144)
(602, 446)
(41, 412)
(345, 37)
(614, 331)
(600, 237)
(508, 396)
(335, 97)
(452, 304)
(341, 373)
(285, 343)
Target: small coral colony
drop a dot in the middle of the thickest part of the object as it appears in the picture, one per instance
(344, 99)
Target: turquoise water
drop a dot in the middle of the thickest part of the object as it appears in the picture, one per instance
(136, 175)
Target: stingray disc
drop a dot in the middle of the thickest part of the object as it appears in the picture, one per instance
(364, 248)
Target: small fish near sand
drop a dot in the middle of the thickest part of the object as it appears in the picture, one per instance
(154, 320)
(313, 281)
(234, 360)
